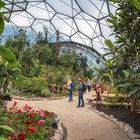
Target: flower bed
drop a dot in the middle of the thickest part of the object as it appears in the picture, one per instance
(28, 124)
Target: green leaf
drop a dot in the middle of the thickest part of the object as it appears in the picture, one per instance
(138, 56)
(5, 127)
(1, 25)
(126, 73)
(7, 54)
(96, 70)
(111, 46)
(3, 138)
(106, 75)
(110, 20)
(2, 4)
(6, 19)
(136, 3)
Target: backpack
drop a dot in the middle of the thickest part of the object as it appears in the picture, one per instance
(84, 88)
(72, 85)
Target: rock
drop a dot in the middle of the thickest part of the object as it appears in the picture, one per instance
(57, 119)
(130, 134)
(126, 127)
(135, 136)
(121, 124)
(56, 137)
(111, 116)
(59, 133)
(106, 116)
(60, 130)
(102, 113)
(55, 113)
(115, 120)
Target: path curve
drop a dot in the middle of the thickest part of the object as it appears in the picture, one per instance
(81, 123)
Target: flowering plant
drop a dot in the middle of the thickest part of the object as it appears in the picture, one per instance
(29, 124)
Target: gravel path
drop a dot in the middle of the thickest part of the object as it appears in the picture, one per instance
(81, 123)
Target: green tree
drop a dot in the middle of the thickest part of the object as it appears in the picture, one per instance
(18, 43)
(124, 53)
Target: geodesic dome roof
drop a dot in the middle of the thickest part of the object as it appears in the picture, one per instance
(82, 21)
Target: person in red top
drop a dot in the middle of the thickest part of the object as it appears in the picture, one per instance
(98, 86)
(102, 87)
(99, 89)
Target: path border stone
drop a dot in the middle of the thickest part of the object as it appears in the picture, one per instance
(126, 127)
(61, 132)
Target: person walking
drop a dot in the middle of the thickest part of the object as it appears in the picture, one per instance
(80, 93)
(89, 84)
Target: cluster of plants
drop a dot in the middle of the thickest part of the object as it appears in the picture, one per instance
(122, 67)
(36, 86)
(25, 123)
(44, 64)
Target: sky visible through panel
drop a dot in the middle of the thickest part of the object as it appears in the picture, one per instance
(81, 21)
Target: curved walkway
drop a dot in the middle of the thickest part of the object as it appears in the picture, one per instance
(81, 123)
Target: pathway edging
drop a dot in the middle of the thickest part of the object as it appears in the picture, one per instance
(37, 98)
(60, 132)
(126, 127)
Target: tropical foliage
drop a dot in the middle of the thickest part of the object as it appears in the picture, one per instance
(9, 66)
(43, 61)
(2, 17)
(122, 69)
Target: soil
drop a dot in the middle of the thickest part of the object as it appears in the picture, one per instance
(131, 118)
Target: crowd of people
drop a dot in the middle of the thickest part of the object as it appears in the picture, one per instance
(84, 87)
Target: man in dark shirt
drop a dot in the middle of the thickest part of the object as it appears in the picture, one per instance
(80, 93)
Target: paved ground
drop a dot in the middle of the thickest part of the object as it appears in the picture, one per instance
(81, 123)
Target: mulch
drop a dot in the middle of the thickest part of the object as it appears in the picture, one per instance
(131, 118)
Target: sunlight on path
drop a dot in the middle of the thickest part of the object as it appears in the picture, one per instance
(81, 123)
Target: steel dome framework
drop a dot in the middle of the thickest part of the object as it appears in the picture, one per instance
(81, 21)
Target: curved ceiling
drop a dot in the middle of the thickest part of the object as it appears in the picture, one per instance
(82, 21)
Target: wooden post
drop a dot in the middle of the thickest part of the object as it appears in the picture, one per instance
(53, 88)
(133, 104)
(98, 92)
(58, 89)
(63, 89)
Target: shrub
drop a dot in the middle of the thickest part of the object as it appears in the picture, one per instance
(32, 86)
(45, 92)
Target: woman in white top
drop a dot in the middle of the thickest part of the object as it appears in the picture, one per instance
(89, 84)
(70, 89)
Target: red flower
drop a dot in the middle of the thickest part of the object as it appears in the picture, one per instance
(15, 103)
(21, 136)
(31, 129)
(32, 114)
(20, 111)
(33, 120)
(26, 107)
(28, 122)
